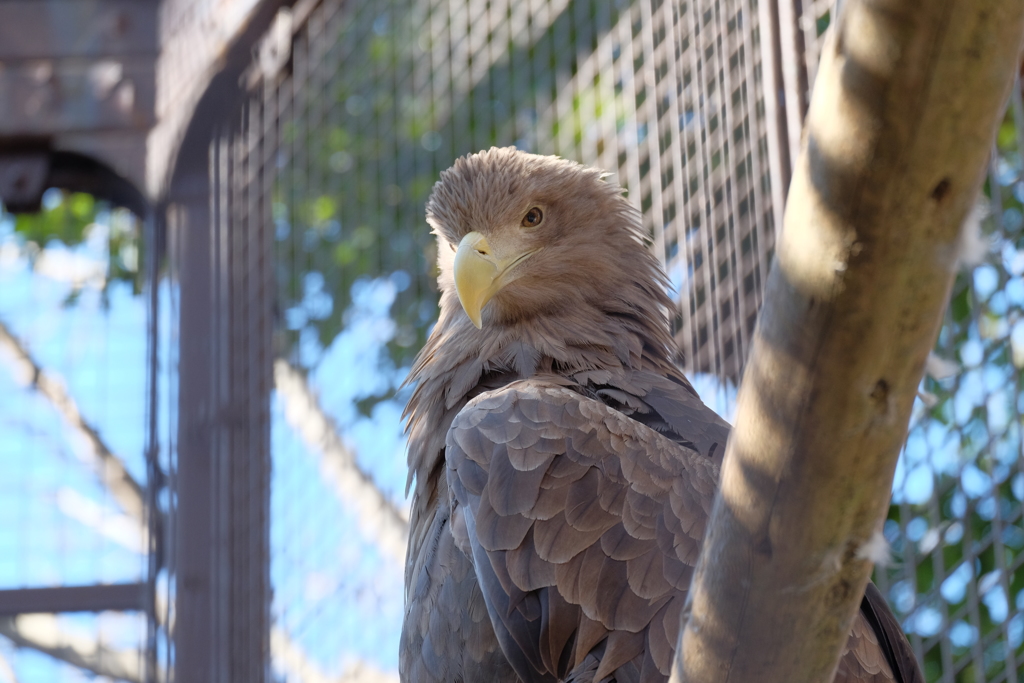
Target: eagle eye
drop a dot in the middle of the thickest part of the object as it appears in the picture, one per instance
(532, 218)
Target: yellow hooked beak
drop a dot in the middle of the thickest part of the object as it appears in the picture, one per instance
(479, 273)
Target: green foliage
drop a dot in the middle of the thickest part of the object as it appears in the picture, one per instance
(71, 219)
(66, 220)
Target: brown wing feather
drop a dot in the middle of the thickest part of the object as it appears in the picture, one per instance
(448, 634)
(863, 659)
(584, 526)
(618, 491)
(877, 650)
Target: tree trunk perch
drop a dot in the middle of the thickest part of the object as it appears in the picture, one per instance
(906, 104)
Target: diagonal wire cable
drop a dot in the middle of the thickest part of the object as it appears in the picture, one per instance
(108, 466)
(379, 519)
(42, 632)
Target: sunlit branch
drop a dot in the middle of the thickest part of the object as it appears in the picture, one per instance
(906, 104)
(380, 520)
(120, 528)
(7, 674)
(109, 468)
(43, 632)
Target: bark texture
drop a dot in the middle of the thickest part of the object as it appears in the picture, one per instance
(906, 105)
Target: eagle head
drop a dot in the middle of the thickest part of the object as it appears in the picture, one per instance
(522, 235)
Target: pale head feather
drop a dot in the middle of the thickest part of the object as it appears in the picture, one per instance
(593, 241)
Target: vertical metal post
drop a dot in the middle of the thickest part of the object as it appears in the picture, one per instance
(794, 74)
(197, 629)
(779, 160)
(154, 226)
(251, 380)
(222, 629)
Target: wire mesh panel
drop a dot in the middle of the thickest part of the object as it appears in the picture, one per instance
(666, 96)
(321, 181)
(73, 533)
(379, 98)
(218, 464)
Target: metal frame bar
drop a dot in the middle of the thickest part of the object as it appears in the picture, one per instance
(122, 597)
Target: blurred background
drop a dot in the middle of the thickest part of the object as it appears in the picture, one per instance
(215, 273)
